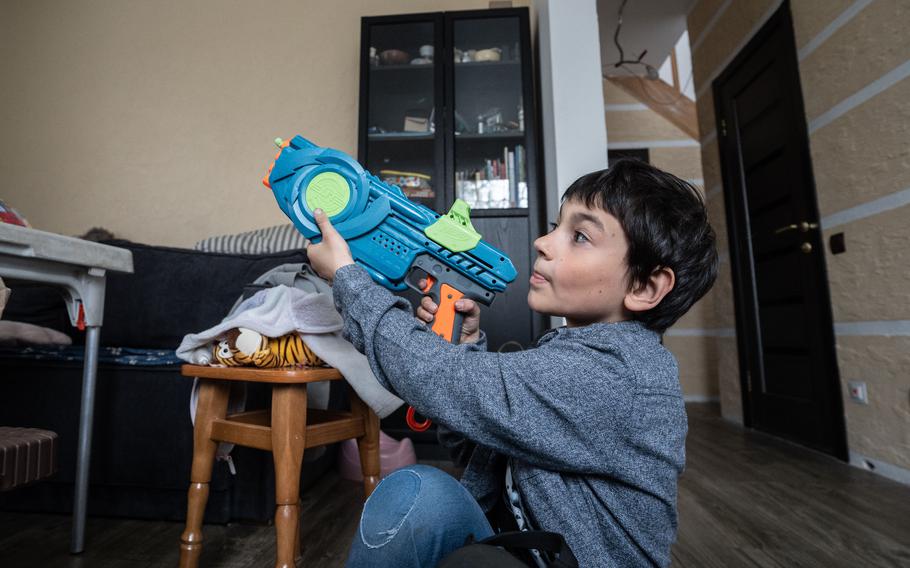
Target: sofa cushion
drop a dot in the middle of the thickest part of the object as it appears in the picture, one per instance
(175, 291)
(39, 304)
(279, 238)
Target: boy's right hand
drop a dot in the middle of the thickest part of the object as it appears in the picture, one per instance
(470, 329)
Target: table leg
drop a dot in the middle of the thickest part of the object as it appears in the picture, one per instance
(86, 416)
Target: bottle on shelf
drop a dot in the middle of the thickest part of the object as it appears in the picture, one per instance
(521, 115)
(499, 183)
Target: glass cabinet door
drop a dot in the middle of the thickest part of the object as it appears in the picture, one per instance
(490, 153)
(402, 147)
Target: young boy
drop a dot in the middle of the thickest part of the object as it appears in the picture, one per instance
(583, 435)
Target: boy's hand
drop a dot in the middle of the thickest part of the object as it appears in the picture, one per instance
(470, 329)
(332, 252)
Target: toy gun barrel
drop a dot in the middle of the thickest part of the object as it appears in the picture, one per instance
(395, 239)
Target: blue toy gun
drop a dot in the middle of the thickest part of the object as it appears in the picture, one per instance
(397, 241)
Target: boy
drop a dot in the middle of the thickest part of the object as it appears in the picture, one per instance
(583, 435)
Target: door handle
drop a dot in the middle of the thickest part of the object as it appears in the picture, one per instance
(802, 227)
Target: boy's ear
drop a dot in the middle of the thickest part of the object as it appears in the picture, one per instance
(647, 295)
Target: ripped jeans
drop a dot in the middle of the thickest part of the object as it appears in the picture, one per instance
(415, 518)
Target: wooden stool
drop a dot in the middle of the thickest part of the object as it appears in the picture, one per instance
(286, 431)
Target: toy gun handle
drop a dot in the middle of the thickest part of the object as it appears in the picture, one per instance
(448, 321)
(444, 287)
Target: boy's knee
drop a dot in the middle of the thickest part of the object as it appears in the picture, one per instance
(405, 493)
(415, 517)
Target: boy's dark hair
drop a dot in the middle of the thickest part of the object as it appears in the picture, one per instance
(666, 224)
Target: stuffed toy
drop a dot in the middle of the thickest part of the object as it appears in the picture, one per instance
(4, 295)
(245, 347)
(11, 216)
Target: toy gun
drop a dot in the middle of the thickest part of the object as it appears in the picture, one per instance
(397, 241)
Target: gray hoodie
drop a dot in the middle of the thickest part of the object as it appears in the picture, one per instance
(592, 418)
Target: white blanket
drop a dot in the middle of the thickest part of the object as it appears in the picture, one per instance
(280, 310)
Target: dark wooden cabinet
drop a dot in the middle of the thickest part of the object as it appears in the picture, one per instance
(447, 110)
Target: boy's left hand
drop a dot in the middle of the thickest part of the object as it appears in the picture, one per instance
(470, 329)
(332, 252)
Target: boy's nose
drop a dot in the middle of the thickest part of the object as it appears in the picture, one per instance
(541, 246)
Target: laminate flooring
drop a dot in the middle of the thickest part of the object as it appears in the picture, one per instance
(746, 499)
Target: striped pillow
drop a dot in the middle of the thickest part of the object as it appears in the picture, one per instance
(262, 241)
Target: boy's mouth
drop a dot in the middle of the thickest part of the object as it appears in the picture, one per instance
(537, 278)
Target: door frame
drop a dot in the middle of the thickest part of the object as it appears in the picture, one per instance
(745, 297)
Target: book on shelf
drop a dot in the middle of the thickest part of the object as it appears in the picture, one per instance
(496, 182)
(520, 157)
(510, 173)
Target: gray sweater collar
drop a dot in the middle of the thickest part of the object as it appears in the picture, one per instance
(600, 331)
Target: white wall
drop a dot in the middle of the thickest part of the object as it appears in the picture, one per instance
(571, 91)
(155, 119)
(683, 67)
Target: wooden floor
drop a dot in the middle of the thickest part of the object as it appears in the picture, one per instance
(746, 499)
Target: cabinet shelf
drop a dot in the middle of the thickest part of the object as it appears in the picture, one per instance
(458, 65)
(469, 64)
(402, 67)
(400, 136)
(420, 136)
(510, 212)
(492, 135)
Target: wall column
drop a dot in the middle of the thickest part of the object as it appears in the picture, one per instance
(571, 93)
(571, 96)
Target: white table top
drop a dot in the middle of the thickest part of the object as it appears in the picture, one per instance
(27, 242)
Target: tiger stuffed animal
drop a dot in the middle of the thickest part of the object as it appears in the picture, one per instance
(245, 347)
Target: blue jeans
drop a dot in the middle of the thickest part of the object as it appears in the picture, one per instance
(415, 518)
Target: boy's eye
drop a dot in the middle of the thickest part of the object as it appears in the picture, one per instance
(553, 226)
(580, 237)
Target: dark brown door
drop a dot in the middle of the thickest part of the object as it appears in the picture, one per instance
(784, 327)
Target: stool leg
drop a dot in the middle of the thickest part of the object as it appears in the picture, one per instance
(368, 444)
(213, 402)
(288, 442)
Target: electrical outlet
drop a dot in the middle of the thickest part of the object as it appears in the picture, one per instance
(858, 391)
(837, 244)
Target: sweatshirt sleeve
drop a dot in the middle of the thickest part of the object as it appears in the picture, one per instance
(561, 407)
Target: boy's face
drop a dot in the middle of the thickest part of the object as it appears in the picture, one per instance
(581, 271)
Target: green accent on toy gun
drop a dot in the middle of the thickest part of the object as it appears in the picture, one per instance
(328, 191)
(454, 229)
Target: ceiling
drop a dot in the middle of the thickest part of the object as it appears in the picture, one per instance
(654, 25)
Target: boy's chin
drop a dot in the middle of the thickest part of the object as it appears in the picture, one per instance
(535, 303)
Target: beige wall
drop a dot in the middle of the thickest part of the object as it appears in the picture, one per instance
(860, 146)
(630, 125)
(155, 119)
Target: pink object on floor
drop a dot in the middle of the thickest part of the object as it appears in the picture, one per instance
(392, 455)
